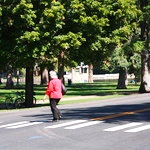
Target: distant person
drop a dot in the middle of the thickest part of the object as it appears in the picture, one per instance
(9, 83)
(54, 92)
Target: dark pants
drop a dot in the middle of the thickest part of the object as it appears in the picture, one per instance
(54, 109)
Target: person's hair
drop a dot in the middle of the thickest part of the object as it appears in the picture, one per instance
(53, 74)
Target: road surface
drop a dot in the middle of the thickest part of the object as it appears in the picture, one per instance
(114, 124)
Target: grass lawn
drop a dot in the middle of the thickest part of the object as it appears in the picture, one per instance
(102, 89)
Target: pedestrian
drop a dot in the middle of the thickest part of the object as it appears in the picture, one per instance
(54, 92)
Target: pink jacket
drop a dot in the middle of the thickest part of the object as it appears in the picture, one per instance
(54, 89)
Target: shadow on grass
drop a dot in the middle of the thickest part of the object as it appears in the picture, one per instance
(80, 89)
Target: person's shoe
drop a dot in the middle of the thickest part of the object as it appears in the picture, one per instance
(55, 120)
(60, 117)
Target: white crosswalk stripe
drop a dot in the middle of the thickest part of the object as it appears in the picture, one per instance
(83, 125)
(142, 128)
(13, 124)
(24, 125)
(20, 124)
(66, 124)
(120, 127)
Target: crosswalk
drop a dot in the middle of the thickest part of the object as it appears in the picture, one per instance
(131, 127)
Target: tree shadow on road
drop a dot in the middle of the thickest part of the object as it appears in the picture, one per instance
(106, 113)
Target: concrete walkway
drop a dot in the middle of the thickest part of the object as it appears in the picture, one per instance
(69, 98)
(2, 105)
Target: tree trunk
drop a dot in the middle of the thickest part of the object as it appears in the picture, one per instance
(0, 77)
(145, 74)
(61, 65)
(122, 81)
(44, 76)
(29, 87)
(90, 74)
(145, 57)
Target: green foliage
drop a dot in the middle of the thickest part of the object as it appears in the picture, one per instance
(24, 12)
(86, 30)
(70, 40)
(105, 25)
(120, 59)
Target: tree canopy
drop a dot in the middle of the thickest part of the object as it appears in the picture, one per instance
(82, 30)
(87, 30)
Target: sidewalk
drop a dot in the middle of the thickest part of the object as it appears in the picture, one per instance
(2, 105)
(78, 98)
(69, 98)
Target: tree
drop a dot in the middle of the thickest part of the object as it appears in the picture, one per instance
(76, 30)
(126, 60)
(50, 26)
(19, 43)
(29, 35)
(27, 38)
(120, 63)
(145, 56)
(133, 52)
(104, 26)
(7, 41)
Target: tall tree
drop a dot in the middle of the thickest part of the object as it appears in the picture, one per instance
(145, 56)
(27, 38)
(104, 25)
(30, 26)
(119, 62)
(20, 42)
(126, 59)
(50, 27)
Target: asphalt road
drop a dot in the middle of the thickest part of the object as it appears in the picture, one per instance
(114, 124)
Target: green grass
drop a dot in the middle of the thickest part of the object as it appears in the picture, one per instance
(102, 89)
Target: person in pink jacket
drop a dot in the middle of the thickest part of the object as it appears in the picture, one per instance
(54, 92)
